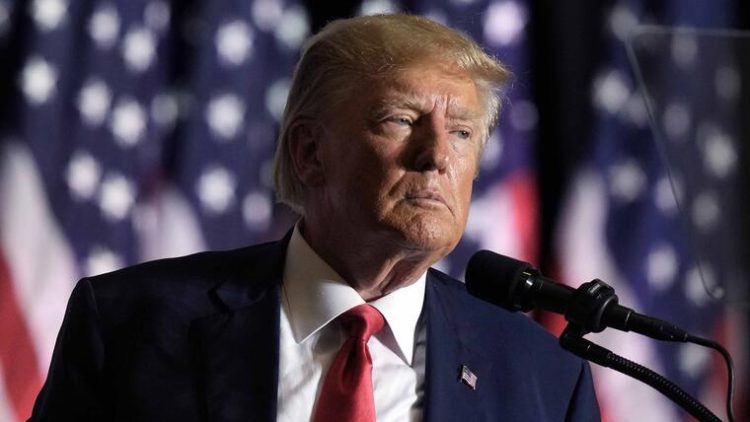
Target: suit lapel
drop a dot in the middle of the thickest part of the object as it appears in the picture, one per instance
(449, 348)
(237, 350)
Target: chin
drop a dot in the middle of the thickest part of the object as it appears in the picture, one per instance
(430, 236)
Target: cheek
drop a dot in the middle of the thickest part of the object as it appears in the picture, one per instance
(368, 178)
(379, 166)
(465, 173)
(465, 199)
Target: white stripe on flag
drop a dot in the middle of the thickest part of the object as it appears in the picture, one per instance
(584, 255)
(491, 221)
(40, 261)
(166, 226)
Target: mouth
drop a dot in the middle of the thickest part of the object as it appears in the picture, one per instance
(425, 198)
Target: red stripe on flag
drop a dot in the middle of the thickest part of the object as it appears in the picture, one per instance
(21, 373)
(525, 214)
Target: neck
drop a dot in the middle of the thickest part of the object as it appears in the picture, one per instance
(369, 266)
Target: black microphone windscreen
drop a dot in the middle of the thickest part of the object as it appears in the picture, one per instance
(494, 277)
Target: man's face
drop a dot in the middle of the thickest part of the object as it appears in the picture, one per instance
(399, 157)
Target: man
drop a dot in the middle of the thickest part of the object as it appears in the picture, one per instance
(385, 124)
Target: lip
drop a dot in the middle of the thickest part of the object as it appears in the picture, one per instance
(427, 197)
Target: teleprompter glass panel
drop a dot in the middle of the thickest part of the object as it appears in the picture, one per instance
(696, 85)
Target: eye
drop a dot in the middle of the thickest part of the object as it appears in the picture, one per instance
(402, 120)
(463, 134)
(394, 125)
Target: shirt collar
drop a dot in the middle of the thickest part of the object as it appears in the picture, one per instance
(315, 295)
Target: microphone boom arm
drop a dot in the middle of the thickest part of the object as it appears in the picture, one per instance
(592, 307)
(572, 340)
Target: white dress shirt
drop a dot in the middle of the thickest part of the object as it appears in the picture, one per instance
(313, 295)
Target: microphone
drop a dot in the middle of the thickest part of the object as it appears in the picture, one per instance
(517, 286)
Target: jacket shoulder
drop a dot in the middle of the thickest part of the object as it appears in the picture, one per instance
(499, 331)
(548, 383)
(182, 287)
(197, 271)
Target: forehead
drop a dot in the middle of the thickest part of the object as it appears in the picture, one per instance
(432, 85)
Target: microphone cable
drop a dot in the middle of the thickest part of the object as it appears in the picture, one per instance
(711, 344)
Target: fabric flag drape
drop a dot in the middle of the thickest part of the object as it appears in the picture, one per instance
(622, 223)
(131, 129)
(137, 129)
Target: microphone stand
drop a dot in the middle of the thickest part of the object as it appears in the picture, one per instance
(573, 341)
(585, 316)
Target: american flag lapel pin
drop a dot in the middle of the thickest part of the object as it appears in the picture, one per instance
(468, 377)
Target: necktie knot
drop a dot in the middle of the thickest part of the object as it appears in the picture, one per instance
(362, 321)
(347, 391)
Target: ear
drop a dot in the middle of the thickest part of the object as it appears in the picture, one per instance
(305, 148)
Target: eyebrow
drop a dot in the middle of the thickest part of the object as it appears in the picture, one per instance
(401, 102)
(413, 102)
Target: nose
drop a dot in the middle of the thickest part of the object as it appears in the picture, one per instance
(432, 147)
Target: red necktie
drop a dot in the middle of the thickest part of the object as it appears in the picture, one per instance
(347, 391)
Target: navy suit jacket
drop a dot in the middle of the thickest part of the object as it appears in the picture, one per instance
(196, 338)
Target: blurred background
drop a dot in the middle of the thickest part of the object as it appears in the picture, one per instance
(137, 129)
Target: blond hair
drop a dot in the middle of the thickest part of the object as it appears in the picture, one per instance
(377, 46)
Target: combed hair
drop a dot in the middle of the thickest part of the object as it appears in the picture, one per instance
(371, 47)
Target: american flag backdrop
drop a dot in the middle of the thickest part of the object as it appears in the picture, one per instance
(133, 129)
(137, 129)
(623, 222)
